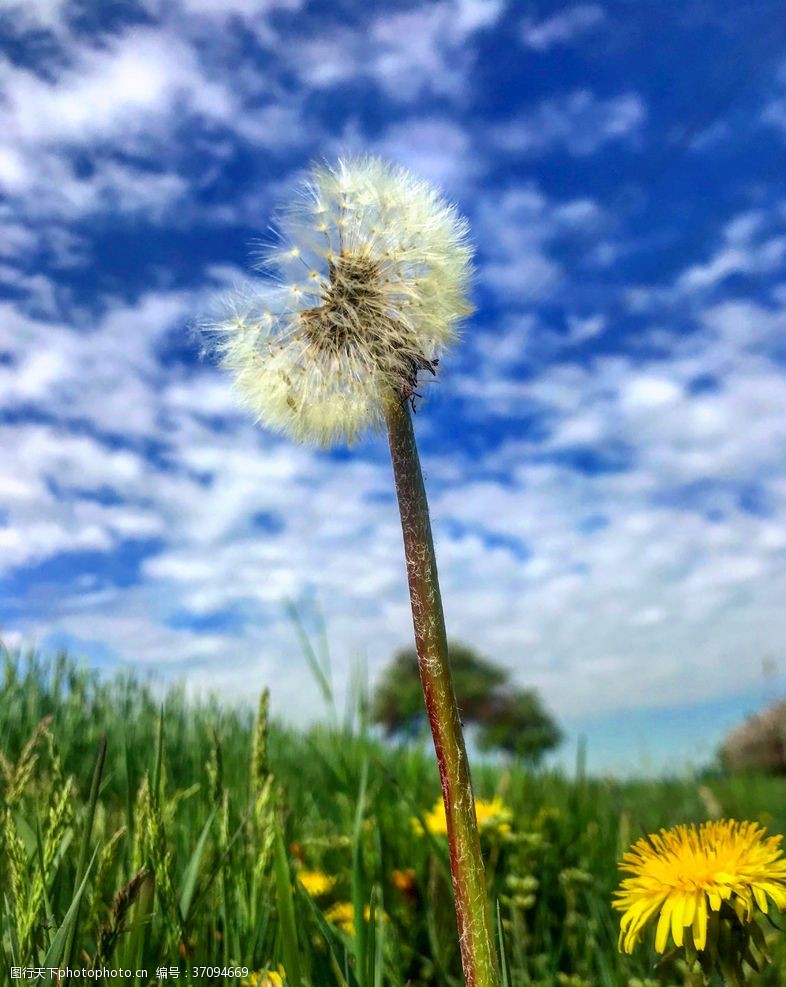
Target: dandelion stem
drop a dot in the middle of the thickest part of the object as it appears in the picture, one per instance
(474, 925)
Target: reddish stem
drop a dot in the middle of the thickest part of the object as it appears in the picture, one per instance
(478, 956)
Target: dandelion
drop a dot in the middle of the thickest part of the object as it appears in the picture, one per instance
(694, 878)
(371, 273)
(491, 815)
(342, 915)
(370, 283)
(316, 882)
(265, 978)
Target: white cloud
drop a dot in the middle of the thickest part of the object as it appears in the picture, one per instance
(580, 122)
(516, 228)
(648, 392)
(407, 53)
(52, 191)
(41, 523)
(435, 148)
(117, 91)
(123, 102)
(585, 328)
(124, 96)
(249, 9)
(745, 249)
(562, 28)
(39, 14)
(106, 130)
(107, 375)
(774, 114)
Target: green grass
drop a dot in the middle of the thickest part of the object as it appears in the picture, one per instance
(178, 846)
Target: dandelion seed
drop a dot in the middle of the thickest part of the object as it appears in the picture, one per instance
(684, 874)
(389, 267)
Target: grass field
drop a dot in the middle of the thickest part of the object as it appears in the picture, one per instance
(208, 839)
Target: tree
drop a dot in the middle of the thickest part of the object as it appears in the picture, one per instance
(510, 719)
(518, 724)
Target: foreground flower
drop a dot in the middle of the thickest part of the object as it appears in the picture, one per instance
(491, 815)
(372, 274)
(316, 882)
(371, 277)
(685, 874)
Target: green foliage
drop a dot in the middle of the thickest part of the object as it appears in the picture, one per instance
(518, 725)
(398, 700)
(190, 843)
(511, 720)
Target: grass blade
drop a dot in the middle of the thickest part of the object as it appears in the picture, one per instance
(503, 960)
(192, 868)
(322, 675)
(338, 951)
(286, 911)
(84, 849)
(358, 890)
(65, 934)
(158, 764)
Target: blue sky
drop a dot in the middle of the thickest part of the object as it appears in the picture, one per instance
(606, 450)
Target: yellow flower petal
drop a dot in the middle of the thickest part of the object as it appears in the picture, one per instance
(679, 874)
(700, 924)
(662, 932)
(677, 918)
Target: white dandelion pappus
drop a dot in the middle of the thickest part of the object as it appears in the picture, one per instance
(370, 284)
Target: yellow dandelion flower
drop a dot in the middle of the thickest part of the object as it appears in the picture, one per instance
(342, 914)
(316, 882)
(435, 820)
(492, 815)
(265, 978)
(680, 872)
(367, 288)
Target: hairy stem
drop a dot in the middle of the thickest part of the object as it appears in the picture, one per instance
(478, 957)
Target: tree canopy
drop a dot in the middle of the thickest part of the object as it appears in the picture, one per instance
(509, 719)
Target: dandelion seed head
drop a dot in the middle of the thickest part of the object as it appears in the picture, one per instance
(368, 286)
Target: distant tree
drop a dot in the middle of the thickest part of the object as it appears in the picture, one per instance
(519, 725)
(510, 719)
(398, 700)
(758, 744)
